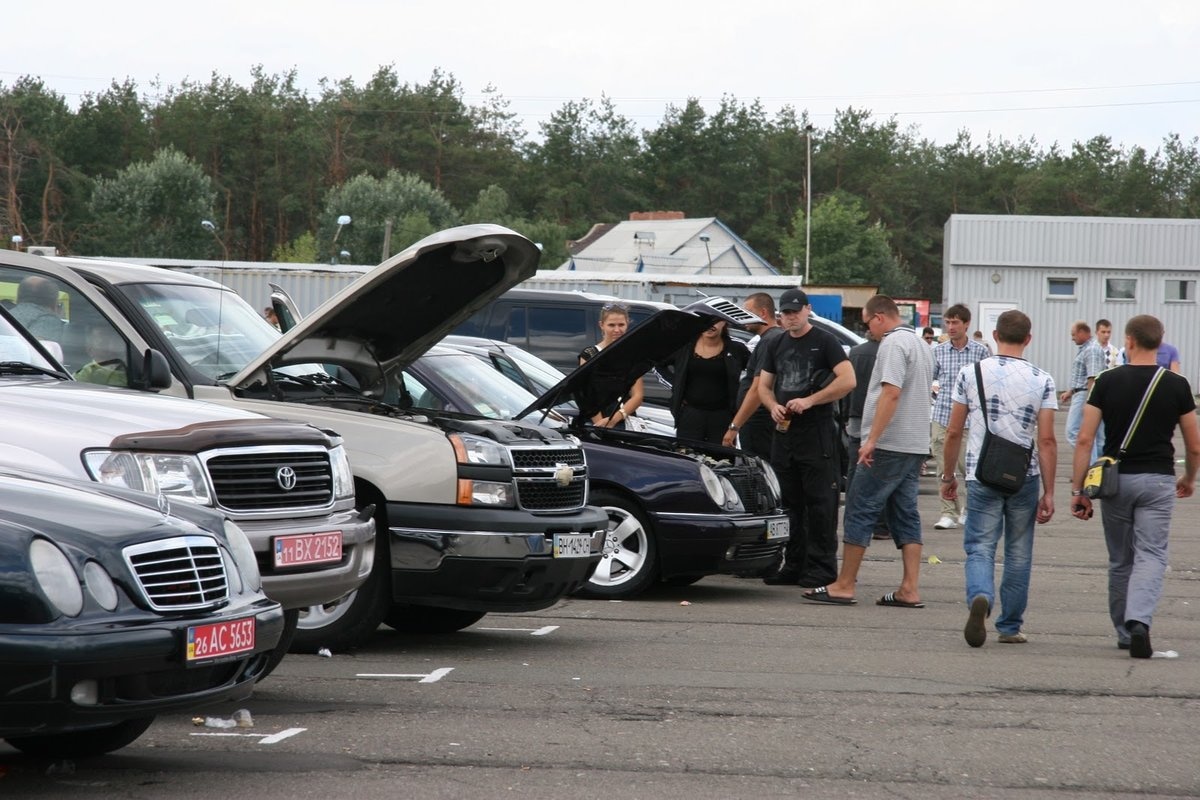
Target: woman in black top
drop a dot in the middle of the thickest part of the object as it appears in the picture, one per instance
(614, 321)
(704, 379)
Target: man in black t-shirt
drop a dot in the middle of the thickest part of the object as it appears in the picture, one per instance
(1137, 519)
(804, 372)
(751, 425)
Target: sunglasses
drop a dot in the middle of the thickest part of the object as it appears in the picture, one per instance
(613, 307)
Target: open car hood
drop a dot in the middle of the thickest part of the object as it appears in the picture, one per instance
(391, 315)
(600, 381)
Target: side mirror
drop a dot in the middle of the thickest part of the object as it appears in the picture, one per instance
(155, 374)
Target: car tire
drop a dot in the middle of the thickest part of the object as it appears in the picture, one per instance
(406, 618)
(630, 561)
(291, 619)
(682, 580)
(83, 744)
(349, 621)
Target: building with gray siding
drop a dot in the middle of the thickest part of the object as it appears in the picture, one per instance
(1060, 269)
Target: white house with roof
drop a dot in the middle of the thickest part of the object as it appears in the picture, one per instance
(677, 246)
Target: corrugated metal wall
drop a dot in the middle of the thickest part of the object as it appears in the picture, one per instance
(309, 288)
(1009, 259)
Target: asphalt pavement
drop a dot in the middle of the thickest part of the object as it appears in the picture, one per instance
(724, 689)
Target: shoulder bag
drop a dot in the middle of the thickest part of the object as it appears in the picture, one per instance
(1002, 464)
(1102, 478)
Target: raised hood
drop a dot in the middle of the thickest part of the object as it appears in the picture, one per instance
(391, 315)
(601, 380)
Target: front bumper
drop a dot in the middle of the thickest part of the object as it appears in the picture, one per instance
(717, 544)
(139, 668)
(487, 559)
(302, 586)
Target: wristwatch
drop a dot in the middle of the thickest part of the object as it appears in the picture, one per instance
(734, 428)
(944, 479)
(1076, 492)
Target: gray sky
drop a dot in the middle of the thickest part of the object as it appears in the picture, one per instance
(1051, 70)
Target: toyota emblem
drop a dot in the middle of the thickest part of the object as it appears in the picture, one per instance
(286, 478)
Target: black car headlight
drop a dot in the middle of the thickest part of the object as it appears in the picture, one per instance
(56, 577)
(243, 556)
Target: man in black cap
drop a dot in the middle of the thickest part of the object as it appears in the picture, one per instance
(803, 373)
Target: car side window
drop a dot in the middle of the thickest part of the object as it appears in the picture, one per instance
(93, 350)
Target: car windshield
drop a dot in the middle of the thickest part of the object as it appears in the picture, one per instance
(462, 383)
(212, 328)
(541, 374)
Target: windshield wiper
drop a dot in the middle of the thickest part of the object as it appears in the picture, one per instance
(22, 368)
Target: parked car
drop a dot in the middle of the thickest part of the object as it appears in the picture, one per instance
(537, 377)
(677, 510)
(287, 484)
(475, 515)
(117, 606)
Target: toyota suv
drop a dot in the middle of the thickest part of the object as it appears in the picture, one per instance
(474, 515)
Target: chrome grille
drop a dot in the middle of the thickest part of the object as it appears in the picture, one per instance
(251, 481)
(752, 488)
(537, 471)
(182, 573)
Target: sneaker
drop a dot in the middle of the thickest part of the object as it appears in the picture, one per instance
(1139, 640)
(1122, 645)
(962, 519)
(945, 523)
(1013, 638)
(975, 631)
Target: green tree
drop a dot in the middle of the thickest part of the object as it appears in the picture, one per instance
(414, 208)
(35, 184)
(303, 250)
(847, 248)
(154, 209)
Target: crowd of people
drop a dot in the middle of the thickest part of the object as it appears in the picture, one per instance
(903, 397)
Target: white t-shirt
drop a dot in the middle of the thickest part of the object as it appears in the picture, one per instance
(1016, 392)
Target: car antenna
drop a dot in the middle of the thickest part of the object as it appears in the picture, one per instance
(211, 228)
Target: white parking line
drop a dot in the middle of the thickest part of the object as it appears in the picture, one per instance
(531, 631)
(432, 677)
(264, 738)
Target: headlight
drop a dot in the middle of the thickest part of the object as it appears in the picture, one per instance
(484, 493)
(343, 478)
(56, 577)
(772, 479)
(712, 485)
(175, 475)
(243, 556)
(100, 585)
(733, 501)
(477, 450)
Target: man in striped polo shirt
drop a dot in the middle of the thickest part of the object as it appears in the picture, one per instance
(949, 357)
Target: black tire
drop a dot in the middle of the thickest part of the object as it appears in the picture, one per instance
(350, 621)
(630, 562)
(682, 580)
(291, 618)
(83, 744)
(427, 619)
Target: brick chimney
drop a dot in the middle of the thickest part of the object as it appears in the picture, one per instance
(648, 216)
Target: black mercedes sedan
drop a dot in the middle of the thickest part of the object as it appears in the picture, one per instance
(116, 606)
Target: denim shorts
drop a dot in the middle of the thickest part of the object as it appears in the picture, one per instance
(889, 485)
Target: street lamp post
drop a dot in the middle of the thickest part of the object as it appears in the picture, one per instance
(208, 226)
(808, 131)
(342, 221)
(704, 238)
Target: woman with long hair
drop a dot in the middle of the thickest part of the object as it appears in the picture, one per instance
(614, 321)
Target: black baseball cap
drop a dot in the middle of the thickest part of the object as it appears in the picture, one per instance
(793, 300)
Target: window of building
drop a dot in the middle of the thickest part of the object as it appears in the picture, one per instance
(1179, 291)
(1120, 288)
(1060, 288)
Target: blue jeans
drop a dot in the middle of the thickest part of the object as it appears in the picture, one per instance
(990, 515)
(1075, 422)
(889, 485)
(1136, 525)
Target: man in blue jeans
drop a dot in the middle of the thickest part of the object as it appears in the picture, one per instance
(1020, 407)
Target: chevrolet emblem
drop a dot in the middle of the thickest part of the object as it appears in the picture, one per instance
(563, 474)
